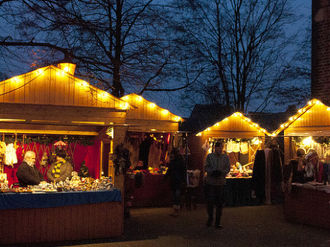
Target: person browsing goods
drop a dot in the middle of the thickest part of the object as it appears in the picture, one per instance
(217, 166)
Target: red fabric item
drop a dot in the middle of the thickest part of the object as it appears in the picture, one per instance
(319, 173)
(155, 191)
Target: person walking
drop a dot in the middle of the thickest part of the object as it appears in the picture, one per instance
(217, 166)
(176, 172)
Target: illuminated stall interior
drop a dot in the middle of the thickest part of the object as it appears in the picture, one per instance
(152, 128)
(308, 129)
(242, 137)
(50, 103)
(151, 134)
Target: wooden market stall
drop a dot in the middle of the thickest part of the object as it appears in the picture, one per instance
(242, 139)
(309, 130)
(151, 133)
(51, 104)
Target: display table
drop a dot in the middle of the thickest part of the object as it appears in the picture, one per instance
(237, 192)
(47, 217)
(153, 191)
(308, 205)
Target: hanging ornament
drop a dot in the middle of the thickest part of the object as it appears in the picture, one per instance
(60, 144)
(10, 155)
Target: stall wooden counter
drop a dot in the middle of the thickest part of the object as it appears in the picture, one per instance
(308, 205)
(100, 215)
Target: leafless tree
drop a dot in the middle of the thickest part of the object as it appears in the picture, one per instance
(121, 43)
(241, 45)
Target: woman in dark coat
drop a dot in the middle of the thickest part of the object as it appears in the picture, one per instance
(176, 172)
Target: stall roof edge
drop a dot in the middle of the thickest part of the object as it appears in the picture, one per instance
(272, 120)
(205, 115)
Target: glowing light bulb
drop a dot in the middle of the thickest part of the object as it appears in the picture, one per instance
(126, 97)
(104, 95)
(39, 71)
(165, 112)
(152, 105)
(308, 141)
(139, 98)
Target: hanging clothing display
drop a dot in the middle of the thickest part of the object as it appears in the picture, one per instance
(144, 151)
(267, 175)
(229, 147)
(236, 147)
(244, 147)
(10, 155)
(154, 155)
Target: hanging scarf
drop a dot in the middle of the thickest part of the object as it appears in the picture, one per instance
(57, 169)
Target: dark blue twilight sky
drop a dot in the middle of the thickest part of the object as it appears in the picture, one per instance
(11, 67)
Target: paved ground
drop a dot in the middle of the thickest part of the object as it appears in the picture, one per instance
(243, 226)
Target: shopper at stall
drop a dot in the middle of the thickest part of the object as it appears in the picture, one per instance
(295, 170)
(27, 173)
(176, 172)
(217, 167)
(313, 168)
(60, 169)
(144, 150)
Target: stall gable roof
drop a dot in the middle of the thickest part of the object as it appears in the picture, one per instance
(146, 116)
(236, 125)
(144, 109)
(314, 116)
(55, 86)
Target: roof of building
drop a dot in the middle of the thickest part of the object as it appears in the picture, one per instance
(205, 115)
(272, 120)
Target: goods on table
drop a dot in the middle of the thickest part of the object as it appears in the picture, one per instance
(76, 183)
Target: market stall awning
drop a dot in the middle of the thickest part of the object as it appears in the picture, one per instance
(53, 85)
(311, 120)
(146, 116)
(234, 126)
(52, 96)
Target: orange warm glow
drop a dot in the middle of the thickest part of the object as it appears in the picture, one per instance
(237, 116)
(67, 67)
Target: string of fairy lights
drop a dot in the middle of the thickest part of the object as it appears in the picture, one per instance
(139, 100)
(98, 93)
(283, 126)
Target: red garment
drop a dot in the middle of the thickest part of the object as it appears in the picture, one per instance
(319, 173)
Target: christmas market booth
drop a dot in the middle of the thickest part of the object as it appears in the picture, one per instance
(62, 120)
(243, 138)
(307, 158)
(150, 135)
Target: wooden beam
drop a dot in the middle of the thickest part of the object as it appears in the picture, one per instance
(49, 132)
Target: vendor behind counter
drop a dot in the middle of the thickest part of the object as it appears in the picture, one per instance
(306, 168)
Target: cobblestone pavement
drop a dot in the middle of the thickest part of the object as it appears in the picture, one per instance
(243, 226)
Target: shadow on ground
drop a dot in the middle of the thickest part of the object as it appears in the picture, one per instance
(243, 226)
